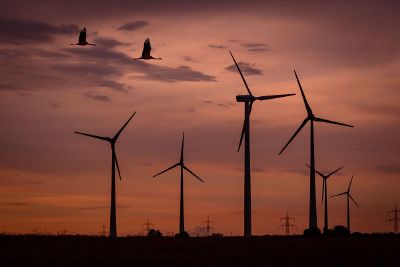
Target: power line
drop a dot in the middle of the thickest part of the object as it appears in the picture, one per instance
(287, 225)
(395, 219)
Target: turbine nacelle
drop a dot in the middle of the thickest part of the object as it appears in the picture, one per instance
(245, 98)
(181, 163)
(250, 98)
(310, 116)
(347, 193)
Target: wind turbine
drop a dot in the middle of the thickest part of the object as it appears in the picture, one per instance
(114, 161)
(248, 101)
(347, 193)
(325, 193)
(312, 223)
(182, 167)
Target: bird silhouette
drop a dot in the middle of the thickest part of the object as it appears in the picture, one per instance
(82, 38)
(146, 51)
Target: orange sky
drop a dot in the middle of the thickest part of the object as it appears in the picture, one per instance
(347, 57)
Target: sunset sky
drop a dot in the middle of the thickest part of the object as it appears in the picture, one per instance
(347, 56)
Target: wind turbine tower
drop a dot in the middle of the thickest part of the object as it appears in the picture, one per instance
(325, 194)
(114, 162)
(248, 101)
(182, 166)
(347, 193)
(312, 221)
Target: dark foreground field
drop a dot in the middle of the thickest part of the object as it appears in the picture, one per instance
(228, 251)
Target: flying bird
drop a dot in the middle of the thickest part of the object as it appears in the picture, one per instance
(146, 51)
(82, 38)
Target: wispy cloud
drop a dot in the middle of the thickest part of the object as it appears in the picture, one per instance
(147, 71)
(246, 68)
(217, 46)
(133, 25)
(108, 42)
(256, 47)
(395, 169)
(19, 31)
(98, 97)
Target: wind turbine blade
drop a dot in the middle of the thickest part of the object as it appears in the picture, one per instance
(183, 143)
(193, 173)
(242, 135)
(251, 107)
(241, 74)
(320, 174)
(244, 125)
(116, 163)
(323, 189)
(348, 189)
(94, 136)
(354, 200)
(334, 171)
(294, 135)
(332, 122)
(344, 193)
(309, 111)
(173, 166)
(268, 97)
(123, 127)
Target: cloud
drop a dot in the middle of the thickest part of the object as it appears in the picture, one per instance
(100, 75)
(87, 69)
(18, 31)
(98, 97)
(191, 110)
(395, 169)
(178, 74)
(16, 204)
(253, 169)
(303, 172)
(108, 42)
(256, 47)
(6, 86)
(146, 70)
(190, 59)
(102, 207)
(246, 68)
(116, 86)
(133, 25)
(55, 104)
(217, 46)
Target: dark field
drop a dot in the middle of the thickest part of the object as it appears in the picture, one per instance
(227, 251)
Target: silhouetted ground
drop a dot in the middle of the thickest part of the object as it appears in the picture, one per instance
(228, 251)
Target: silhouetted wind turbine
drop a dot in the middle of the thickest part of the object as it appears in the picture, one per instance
(82, 38)
(310, 117)
(325, 193)
(114, 161)
(182, 167)
(347, 193)
(146, 51)
(248, 101)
